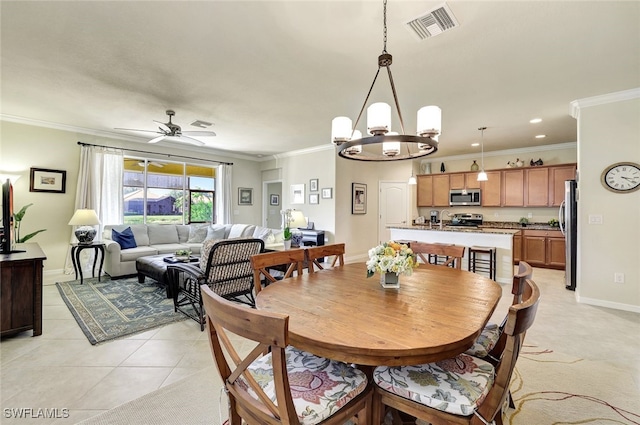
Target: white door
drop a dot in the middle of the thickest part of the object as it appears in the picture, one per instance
(393, 208)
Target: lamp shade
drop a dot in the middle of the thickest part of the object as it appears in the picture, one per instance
(297, 220)
(84, 218)
(340, 129)
(429, 121)
(379, 118)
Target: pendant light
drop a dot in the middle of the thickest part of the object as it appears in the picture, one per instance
(482, 175)
(387, 144)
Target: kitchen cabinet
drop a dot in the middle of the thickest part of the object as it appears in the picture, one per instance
(513, 188)
(543, 248)
(464, 181)
(557, 176)
(536, 187)
(433, 190)
(491, 189)
(517, 248)
(441, 190)
(424, 190)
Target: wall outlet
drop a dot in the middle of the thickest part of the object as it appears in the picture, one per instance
(530, 215)
(618, 277)
(595, 219)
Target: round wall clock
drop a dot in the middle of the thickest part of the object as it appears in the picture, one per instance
(622, 177)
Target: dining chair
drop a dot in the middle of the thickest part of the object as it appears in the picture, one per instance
(315, 253)
(225, 266)
(263, 266)
(486, 345)
(453, 253)
(276, 383)
(460, 390)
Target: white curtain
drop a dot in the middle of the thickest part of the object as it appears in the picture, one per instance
(223, 194)
(99, 188)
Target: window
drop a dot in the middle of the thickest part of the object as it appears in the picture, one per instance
(162, 192)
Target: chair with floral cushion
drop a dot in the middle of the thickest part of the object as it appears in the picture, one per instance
(264, 265)
(486, 345)
(225, 266)
(459, 390)
(274, 383)
(452, 253)
(316, 253)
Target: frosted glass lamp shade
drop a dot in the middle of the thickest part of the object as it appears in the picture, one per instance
(391, 148)
(379, 118)
(482, 176)
(85, 219)
(340, 129)
(429, 121)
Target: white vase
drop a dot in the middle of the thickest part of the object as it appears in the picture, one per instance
(389, 280)
(287, 244)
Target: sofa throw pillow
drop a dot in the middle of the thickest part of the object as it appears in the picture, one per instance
(125, 238)
(215, 233)
(198, 233)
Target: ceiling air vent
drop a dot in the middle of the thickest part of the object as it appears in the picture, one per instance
(432, 23)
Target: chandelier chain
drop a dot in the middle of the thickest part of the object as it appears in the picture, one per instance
(384, 22)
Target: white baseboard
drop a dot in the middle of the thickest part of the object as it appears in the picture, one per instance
(608, 304)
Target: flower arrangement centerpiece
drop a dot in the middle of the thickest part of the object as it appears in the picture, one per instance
(390, 260)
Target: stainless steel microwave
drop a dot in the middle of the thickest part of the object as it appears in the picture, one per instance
(465, 197)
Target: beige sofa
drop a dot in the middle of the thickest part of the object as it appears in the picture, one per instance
(155, 239)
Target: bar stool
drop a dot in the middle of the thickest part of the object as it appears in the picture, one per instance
(484, 263)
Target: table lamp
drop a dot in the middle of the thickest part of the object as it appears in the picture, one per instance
(297, 221)
(85, 219)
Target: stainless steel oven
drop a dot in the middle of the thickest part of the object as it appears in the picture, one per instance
(465, 197)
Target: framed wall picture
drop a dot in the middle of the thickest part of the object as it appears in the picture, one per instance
(358, 198)
(314, 198)
(274, 199)
(245, 196)
(327, 193)
(45, 180)
(313, 185)
(297, 194)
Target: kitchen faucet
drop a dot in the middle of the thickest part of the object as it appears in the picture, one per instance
(442, 217)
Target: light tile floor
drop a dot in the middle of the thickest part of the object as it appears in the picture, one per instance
(61, 370)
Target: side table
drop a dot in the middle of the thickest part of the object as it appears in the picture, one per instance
(76, 249)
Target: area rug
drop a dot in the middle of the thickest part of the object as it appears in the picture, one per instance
(548, 388)
(112, 309)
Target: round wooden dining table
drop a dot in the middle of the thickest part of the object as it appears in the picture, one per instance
(339, 313)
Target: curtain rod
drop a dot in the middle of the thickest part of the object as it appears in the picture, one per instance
(157, 153)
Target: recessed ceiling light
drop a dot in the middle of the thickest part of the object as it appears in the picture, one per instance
(475, 144)
(541, 136)
(535, 120)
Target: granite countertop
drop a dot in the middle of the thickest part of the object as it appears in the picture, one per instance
(498, 227)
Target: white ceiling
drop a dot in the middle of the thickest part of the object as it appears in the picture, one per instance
(271, 75)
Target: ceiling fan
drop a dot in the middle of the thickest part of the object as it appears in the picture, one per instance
(173, 132)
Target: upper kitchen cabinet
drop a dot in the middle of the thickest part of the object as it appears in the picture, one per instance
(557, 176)
(464, 181)
(425, 190)
(441, 190)
(513, 188)
(536, 187)
(491, 189)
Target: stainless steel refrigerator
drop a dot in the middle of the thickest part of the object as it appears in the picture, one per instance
(568, 218)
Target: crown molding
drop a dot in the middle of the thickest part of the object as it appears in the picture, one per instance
(510, 152)
(587, 102)
(315, 149)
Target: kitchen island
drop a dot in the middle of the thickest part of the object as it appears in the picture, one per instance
(500, 238)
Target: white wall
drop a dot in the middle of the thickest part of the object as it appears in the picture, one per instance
(24, 146)
(608, 132)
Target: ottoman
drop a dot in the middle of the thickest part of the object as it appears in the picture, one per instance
(155, 267)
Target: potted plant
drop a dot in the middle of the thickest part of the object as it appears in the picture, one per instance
(524, 221)
(390, 260)
(286, 235)
(554, 223)
(17, 217)
(183, 254)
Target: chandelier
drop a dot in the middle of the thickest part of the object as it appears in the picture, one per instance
(394, 146)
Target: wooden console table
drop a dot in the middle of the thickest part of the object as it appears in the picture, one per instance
(21, 290)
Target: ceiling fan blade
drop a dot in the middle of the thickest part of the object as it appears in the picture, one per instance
(158, 139)
(136, 129)
(199, 133)
(164, 125)
(189, 140)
